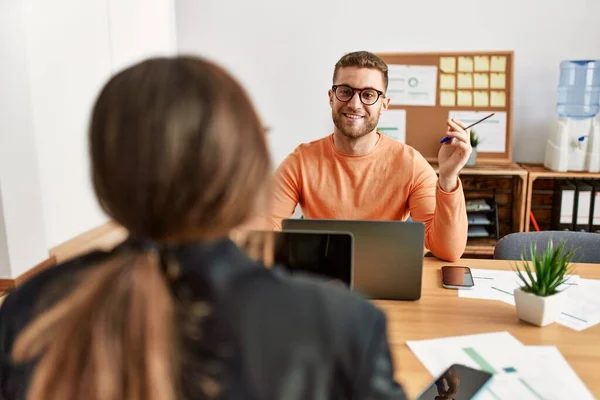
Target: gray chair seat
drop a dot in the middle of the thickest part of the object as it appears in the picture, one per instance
(586, 245)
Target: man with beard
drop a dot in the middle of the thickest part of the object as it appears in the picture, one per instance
(358, 173)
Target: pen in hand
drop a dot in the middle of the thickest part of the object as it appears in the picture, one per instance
(449, 138)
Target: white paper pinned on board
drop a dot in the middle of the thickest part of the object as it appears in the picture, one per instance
(492, 131)
(412, 85)
(393, 124)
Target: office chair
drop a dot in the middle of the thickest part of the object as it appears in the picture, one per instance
(586, 245)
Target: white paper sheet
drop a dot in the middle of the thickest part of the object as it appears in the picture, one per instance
(555, 365)
(582, 308)
(414, 85)
(438, 354)
(516, 368)
(485, 280)
(492, 131)
(580, 311)
(393, 124)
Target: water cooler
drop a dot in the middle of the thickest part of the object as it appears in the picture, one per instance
(575, 144)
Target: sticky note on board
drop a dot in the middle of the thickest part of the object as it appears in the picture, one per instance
(498, 64)
(464, 98)
(448, 64)
(447, 98)
(465, 81)
(481, 99)
(465, 64)
(481, 81)
(497, 98)
(447, 81)
(497, 81)
(482, 63)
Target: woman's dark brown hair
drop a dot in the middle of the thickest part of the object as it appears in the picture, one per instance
(178, 154)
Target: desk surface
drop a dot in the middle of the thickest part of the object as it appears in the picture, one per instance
(440, 312)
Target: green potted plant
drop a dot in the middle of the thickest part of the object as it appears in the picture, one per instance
(475, 140)
(540, 297)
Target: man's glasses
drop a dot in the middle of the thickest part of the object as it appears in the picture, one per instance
(367, 96)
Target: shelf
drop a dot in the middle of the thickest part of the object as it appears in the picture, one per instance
(510, 169)
(480, 246)
(539, 171)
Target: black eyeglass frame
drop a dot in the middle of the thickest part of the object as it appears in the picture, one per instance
(354, 90)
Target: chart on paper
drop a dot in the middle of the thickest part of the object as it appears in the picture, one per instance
(412, 85)
(393, 124)
(516, 372)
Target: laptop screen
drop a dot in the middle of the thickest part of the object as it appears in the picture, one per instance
(328, 254)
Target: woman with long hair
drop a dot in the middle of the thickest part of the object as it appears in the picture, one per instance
(178, 311)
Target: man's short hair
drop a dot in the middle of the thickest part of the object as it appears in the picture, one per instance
(363, 59)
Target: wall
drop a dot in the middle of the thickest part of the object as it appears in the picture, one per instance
(56, 56)
(22, 239)
(73, 47)
(285, 53)
(140, 29)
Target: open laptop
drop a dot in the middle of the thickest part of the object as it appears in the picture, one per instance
(322, 253)
(388, 255)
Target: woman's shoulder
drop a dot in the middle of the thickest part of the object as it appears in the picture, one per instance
(21, 301)
(303, 302)
(303, 324)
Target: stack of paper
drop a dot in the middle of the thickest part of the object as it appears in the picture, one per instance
(520, 372)
(581, 309)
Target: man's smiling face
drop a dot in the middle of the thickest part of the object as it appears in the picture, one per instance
(352, 118)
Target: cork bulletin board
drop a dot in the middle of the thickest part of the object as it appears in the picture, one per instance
(428, 88)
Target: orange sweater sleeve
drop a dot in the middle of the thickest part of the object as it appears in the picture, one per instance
(443, 213)
(286, 193)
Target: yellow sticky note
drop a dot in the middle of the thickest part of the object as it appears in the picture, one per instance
(448, 64)
(465, 81)
(481, 81)
(464, 98)
(447, 98)
(481, 99)
(465, 64)
(482, 63)
(497, 99)
(447, 81)
(498, 64)
(497, 81)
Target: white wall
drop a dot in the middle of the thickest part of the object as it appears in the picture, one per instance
(55, 57)
(284, 52)
(22, 239)
(68, 49)
(73, 47)
(140, 29)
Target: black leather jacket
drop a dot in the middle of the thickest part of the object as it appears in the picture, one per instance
(291, 338)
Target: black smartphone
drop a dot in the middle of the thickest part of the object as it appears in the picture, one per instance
(455, 277)
(458, 382)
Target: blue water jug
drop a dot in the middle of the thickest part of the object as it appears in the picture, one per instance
(579, 89)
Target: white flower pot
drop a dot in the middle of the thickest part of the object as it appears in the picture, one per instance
(472, 158)
(537, 310)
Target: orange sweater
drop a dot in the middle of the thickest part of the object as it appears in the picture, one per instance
(388, 183)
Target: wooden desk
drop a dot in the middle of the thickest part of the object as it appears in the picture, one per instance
(440, 312)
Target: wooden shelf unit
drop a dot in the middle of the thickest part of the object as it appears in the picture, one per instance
(540, 182)
(510, 180)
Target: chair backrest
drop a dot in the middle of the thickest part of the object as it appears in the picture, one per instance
(586, 245)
